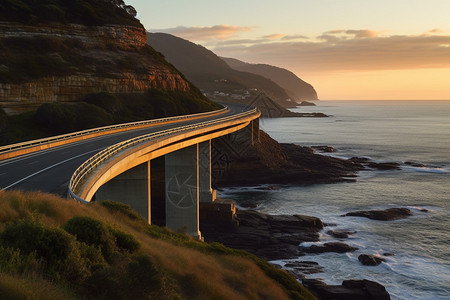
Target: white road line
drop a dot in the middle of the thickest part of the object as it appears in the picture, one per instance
(43, 170)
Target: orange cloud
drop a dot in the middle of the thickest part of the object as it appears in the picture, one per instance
(346, 50)
(218, 32)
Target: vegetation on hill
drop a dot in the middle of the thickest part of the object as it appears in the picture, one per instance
(55, 248)
(100, 109)
(294, 86)
(210, 73)
(86, 12)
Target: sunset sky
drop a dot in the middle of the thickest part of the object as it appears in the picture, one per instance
(347, 49)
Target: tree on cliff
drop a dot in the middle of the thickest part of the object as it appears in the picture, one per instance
(86, 12)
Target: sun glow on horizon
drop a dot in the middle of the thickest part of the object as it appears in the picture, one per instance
(416, 84)
(380, 50)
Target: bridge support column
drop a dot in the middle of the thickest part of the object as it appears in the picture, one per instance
(206, 193)
(182, 190)
(255, 130)
(132, 187)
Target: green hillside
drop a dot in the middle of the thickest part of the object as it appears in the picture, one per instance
(54, 248)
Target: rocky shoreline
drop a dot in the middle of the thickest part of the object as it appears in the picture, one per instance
(279, 237)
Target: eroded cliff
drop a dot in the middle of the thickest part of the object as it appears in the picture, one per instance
(63, 62)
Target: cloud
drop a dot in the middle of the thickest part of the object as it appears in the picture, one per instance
(196, 33)
(294, 37)
(345, 50)
(274, 36)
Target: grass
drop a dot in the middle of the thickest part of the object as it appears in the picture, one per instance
(125, 259)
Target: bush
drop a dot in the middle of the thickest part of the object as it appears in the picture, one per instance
(3, 120)
(87, 12)
(125, 242)
(111, 104)
(60, 118)
(53, 245)
(92, 232)
(122, 208)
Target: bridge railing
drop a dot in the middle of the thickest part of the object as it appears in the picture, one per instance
(89, 165)
(131, 125)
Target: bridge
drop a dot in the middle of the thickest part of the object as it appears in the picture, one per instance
(161, 168)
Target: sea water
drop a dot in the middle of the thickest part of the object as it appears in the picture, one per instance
(383, 131)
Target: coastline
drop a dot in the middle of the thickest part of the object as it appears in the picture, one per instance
(278, 237)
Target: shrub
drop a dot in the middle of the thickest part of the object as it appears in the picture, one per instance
(122, 208)
(125, 242)
(3, 120)
(92, 232)
(53, 245)
(60, 118)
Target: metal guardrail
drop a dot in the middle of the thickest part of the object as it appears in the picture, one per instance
(43, 141)
(89, 165)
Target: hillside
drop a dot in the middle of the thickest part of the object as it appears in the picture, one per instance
(53, 248)
(54, 54)
(295, 86)
(211, 74)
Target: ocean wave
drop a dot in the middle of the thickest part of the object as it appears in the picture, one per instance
(428, 169)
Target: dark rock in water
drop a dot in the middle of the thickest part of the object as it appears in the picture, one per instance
(273, 164)
(329, 247)
(340, 234)
(423, 209)
(349, 290)
(384, 166)
(306, 103)
(382, 215)
(299, 269)
(370, 260)
(414, 164)
(327, 149)
(360, 160)
(267, 236)
(248, 205)
(388, 254)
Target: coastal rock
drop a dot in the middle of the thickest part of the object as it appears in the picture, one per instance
(300, 269)
(329, 247)
(267, 236)
(384, 166)
(414, 164)
(349, 290)
(370, 260)
(340, 234)
(306, 103)
(327, 149)
(382, 215)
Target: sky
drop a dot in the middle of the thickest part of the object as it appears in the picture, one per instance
(347, 49)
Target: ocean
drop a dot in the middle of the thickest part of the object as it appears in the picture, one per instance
(383, 131)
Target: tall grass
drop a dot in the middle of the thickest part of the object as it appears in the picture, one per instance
(141, 261)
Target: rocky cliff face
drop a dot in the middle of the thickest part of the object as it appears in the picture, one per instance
(111, 58)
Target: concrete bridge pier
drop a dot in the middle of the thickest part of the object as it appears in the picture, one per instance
(183, 190)
(132, 187)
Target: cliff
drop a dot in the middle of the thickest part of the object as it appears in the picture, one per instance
(63, 63)
(296, 87)
(211, 74)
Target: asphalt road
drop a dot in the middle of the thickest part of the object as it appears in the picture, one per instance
(50, 170)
